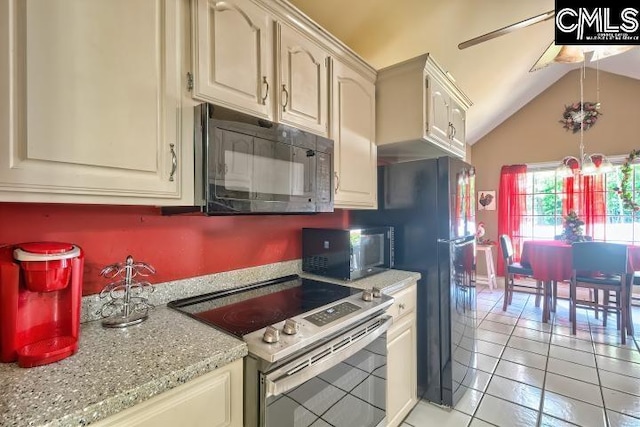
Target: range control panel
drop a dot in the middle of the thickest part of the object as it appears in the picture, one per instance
(332, 313)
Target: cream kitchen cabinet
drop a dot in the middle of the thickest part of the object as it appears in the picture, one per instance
(420, 111)
(233, 56)
(236, 44)
(353, 132)
(212, 400)
(267, 59)
(303, 69)
(457, 116)
(402, 374)
(93, 102)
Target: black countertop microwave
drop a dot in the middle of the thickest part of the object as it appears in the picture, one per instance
(248, 165)
(347, 254)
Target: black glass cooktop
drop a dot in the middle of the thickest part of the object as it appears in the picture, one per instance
(247, 309)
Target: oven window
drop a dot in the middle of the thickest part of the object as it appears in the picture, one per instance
(351, 393)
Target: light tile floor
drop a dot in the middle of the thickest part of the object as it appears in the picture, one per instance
(536, 374)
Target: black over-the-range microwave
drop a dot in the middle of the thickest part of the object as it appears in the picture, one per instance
(248, 165)
(347, 254)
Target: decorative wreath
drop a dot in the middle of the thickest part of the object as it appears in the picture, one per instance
(625, 193)
(580, 114)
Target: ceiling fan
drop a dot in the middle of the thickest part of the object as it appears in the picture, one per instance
(554, 53)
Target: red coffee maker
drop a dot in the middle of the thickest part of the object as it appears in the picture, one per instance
(40, 298)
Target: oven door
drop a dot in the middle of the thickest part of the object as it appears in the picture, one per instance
(341, 383)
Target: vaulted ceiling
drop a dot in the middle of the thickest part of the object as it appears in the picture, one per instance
(494, 74)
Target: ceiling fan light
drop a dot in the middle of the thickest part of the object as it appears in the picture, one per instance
(570, 54)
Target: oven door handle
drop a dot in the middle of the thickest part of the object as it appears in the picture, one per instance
(325, 357)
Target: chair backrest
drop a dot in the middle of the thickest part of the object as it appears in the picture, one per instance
(507, 247)
(600, 256)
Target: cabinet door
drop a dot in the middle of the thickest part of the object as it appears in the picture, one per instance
(401, 370)
(457, 116)
(353, 132)
(212, 400)
(91, 92)
(303, 94)
(437, 113)
(232, 55)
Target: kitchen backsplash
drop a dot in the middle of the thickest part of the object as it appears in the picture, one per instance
(179, 247)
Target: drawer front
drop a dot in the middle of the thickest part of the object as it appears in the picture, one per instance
(405, 302)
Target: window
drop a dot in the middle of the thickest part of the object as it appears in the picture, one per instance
(544, 213)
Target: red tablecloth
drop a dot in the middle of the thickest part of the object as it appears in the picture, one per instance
(551, 259)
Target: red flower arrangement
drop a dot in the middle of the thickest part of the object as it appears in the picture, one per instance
(579, 115)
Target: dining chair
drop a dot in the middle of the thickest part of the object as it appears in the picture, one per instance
(601, 266)
(512, 269)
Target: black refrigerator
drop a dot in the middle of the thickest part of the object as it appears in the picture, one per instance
(431, 205)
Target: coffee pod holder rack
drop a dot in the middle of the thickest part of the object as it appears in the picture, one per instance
(126, 300)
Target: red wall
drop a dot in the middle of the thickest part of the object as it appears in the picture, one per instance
(177, 246)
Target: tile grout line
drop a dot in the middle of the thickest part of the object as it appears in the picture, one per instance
(475, 411)
(498, 362)
(593, 345)
(552, 321)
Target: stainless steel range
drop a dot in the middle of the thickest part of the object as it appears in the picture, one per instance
(317, 351)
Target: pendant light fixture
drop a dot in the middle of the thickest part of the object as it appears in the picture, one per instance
(586, 164)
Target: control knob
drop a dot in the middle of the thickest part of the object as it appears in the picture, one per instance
(367, 295)
(376, 292)
(271, 335)
(291, 327)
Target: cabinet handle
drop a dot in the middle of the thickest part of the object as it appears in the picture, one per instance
(453, 131)
(266, 92)
(401, 306)
(174, 161)
(286, 99)
(337, 181)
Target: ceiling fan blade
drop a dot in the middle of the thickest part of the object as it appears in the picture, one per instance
(508, 29)
(547, 57)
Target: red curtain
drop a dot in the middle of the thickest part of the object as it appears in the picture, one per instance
(512, 205)
(586, 196)
(594, 206)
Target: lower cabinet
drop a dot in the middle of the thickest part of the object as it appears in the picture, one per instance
(401, 357)
(212, 400)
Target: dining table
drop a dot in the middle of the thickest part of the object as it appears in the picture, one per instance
(551, 262)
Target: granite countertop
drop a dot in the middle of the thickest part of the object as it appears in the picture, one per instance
(114, 369)
(389, 281)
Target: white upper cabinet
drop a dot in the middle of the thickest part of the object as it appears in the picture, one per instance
(233, 56)
(420, 112)
(91, 94)
(457, 114)
(437, 125)
(353, 132)
(303, 68)
(236, 45)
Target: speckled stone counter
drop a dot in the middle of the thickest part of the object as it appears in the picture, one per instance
(114, 369)
(388, 281)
